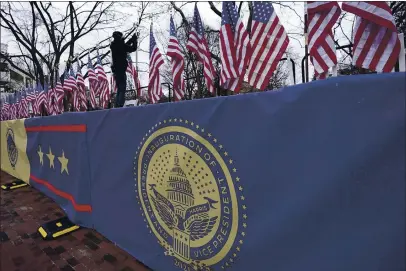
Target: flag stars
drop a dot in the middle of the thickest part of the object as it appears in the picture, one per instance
(244, 216)
(41, 155)
(209, 135)
(225, 153)
(242, 198)
(64, 163)
(230, 161)
(244, 225)
(51, 158)
(244, 207)
(186, 121)
(234, 170)
(215, 140)
(220, 146)
(237, 179)
(240, 188)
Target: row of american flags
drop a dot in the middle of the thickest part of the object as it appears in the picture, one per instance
(253, 55)
(41, 98)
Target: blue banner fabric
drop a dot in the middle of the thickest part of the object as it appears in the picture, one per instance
(311, 177)
(57, 151)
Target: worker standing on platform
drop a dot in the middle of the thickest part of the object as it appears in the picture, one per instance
(119, 50)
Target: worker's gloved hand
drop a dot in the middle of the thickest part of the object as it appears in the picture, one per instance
(134, 38)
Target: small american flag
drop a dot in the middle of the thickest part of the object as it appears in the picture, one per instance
(103, 89)
(197, 43)
(134, 74)
(322, 17)
(59, 95)
(41, 99)
(68, 82)
(376, 41)
(268, 42)
(91, 75)
(234, 48)
(155, 62)
(51, 101)
(81, 88)
(74, 90)
(177, 61)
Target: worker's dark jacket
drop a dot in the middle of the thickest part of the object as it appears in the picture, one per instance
(119, 50)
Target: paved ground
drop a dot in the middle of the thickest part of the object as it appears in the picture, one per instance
(22, 249)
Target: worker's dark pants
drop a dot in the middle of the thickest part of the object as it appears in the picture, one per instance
(121, 80)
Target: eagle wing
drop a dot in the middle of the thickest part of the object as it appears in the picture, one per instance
(199, 228)
(165, 212)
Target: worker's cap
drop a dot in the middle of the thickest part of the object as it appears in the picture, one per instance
(117, 34)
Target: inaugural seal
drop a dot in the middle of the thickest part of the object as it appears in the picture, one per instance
(11, 148)
(186, 185)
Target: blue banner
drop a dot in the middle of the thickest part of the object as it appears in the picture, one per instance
(57, 151)
(307, 178)
(311, 177)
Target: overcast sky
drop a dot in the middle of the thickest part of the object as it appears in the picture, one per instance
(292, 20)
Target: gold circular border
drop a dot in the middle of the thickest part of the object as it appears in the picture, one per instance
(234, 228)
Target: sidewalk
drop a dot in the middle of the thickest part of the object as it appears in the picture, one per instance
(21, 248)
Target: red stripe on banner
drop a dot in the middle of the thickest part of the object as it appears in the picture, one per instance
(77, 207)
(80, 128)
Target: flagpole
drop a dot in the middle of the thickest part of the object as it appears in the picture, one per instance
(306, 42)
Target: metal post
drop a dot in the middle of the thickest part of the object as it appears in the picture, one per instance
(402, 60)
(306, 41)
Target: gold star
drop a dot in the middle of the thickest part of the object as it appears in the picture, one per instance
(244, 216)
(220, 146)
(209, 135)
(51, 158)
(242, 198)
(238, 248)
(240, 188)
(64, 163)
(234, 255)
(225, 153)
(41, 155)
(243, 233)
(244, 225)
(244, 207)
(237, 179)
(234, 170)
(197, 126)
(241, 242)
(231, 161)
(215, 140)
(186, 121)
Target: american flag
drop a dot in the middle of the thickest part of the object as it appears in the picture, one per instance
(133, 71)
(197, 43)
(41, 99)
(31, 98)
(74, 90)
(103, 89)
(376, 41)
(81, 88)
(67, 82)
(234, 48)
(321, 19)
(268, 42)
(59, 95)
(91, 75)
(177, 61)
(51, 101)
(155, 62)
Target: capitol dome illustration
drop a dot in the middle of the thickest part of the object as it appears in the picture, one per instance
(179, 190)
